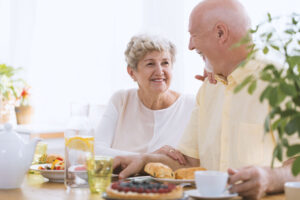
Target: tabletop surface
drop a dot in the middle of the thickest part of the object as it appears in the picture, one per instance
(34, 187)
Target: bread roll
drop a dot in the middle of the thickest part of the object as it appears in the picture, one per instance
(159, 170)
(52, 157)
(187, 173)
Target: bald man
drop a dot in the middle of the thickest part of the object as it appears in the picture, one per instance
(226, 130)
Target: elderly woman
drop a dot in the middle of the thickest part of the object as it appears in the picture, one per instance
(145, 119)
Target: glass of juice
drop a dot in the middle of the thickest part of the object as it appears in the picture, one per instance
(99, 173)
(40, 154)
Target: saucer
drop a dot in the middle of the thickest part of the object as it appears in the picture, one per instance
(195, 194)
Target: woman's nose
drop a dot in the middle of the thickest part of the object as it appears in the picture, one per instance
(159, 69)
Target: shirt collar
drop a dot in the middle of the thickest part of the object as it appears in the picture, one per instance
(239, 74)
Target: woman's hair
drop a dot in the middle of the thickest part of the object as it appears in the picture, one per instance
(140, 45)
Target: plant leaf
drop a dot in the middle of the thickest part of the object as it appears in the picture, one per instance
(290, 31)
(269, 17)
(265, 50)
(293, 150)
(243, 84)
(294, 21)
(288, 89)
(275, 47)
(252, 87)
(265, 94)
(296, 166)
(269, 36)
(293, 125)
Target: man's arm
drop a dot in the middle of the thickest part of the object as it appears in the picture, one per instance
(131, 165)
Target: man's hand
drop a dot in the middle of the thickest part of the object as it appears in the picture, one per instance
(250, 182)
(172, 153)
(209, 75)
(130, 165)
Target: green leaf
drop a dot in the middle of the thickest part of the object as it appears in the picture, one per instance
(299, 42)
(252, 87)
(285, 142)
(269, 36)
(293, 61)
(265, 94)
(243, 84)
(273, 98)
(288, 89)
(275, 47)
(296, 100)
(269, 17)
(277, 153)
(254, 30)
(267, 124)
(293, 150)
(265, 50)
(293, 125)
(294, 21)
(288, 113)
(265, 76)
(290, 31)
(296, 166)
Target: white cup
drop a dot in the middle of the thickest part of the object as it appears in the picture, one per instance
(292, 190)
(211, 183)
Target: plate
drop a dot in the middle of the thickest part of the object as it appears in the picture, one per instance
(195, 194)
(59, 175)
(52, 175)
(175, 181)
(105, 196)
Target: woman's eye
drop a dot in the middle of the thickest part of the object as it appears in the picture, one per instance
(150, 64)
(165, 63)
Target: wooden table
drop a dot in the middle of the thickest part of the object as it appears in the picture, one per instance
(35, 188)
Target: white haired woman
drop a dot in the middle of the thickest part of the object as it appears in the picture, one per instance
(145, 119)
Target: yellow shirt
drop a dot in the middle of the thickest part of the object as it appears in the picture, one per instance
(227, 129)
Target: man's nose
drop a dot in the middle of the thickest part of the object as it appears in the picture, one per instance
(191, 44)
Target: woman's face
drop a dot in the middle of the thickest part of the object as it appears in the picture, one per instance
(154, 72)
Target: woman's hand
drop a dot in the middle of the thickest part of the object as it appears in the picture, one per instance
(209, 75)
(172, 153)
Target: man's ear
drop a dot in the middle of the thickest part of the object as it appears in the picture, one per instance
(221, 31)
(130, 71)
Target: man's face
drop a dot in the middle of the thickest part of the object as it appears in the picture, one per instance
(202, 40)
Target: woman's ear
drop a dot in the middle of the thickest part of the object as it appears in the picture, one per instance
(130, 71)
(221, 31)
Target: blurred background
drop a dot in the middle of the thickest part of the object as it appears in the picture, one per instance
(73, 50)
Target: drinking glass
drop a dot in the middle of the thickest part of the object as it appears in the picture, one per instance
(99, 173)
(79, 144)
(40, 154)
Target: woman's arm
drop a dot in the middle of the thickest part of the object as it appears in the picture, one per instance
(105, 132)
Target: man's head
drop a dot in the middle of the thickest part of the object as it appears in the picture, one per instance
(214, 26)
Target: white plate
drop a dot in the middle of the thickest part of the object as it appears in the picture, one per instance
(175, 181)
(52, 175)
(195, 194)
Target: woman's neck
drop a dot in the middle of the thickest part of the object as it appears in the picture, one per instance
(157, 102)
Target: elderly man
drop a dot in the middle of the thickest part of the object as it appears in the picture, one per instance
(226, 130)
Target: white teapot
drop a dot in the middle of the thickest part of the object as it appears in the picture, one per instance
(15, 158)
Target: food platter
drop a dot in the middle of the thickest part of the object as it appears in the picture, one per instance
(52, 175)
(175, 181)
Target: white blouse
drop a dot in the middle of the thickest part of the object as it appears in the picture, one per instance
(128, 127)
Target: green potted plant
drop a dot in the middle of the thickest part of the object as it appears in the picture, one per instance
(8, 84)
(279, 37)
